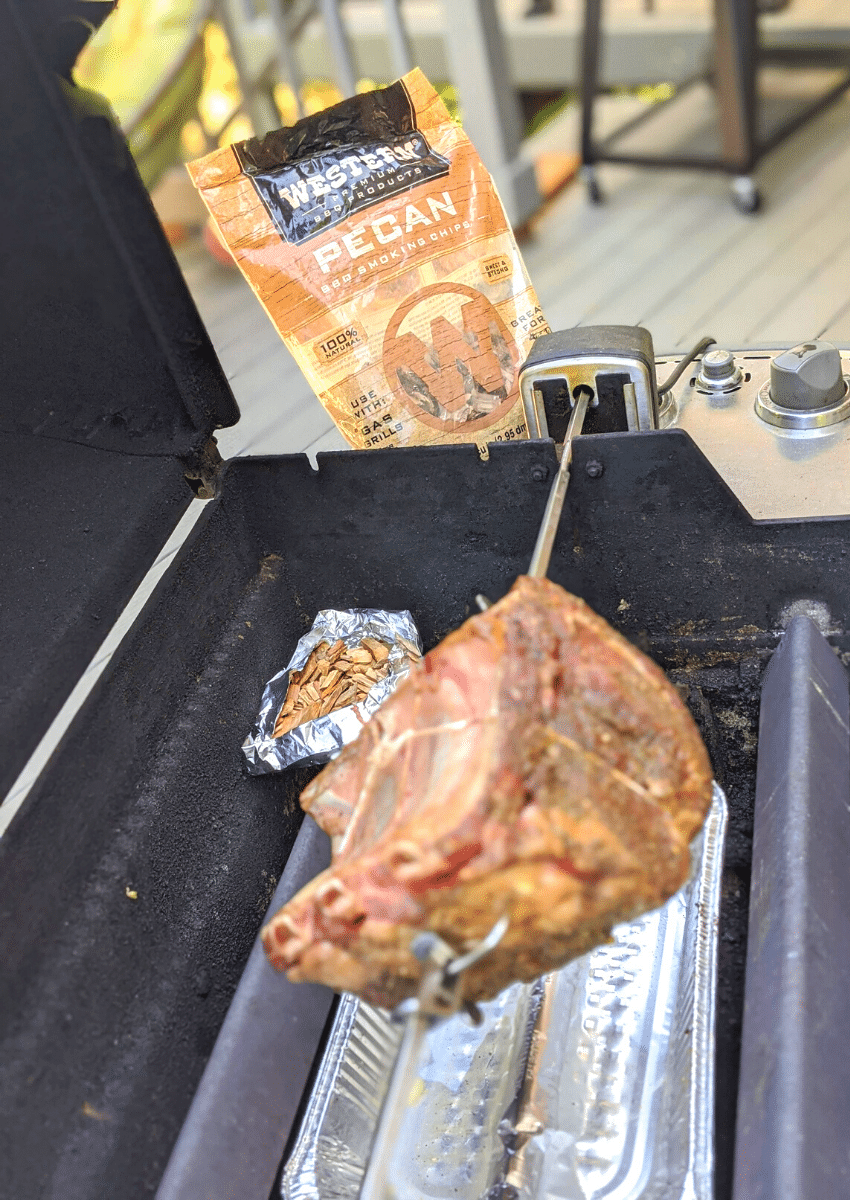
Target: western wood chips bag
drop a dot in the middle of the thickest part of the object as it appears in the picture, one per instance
(377, 243)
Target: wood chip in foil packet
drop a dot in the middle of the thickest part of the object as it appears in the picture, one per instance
(339, 675)
(376, 241)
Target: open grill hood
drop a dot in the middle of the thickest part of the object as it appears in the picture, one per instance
(111, 389)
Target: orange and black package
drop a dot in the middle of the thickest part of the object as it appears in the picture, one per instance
(377, 243)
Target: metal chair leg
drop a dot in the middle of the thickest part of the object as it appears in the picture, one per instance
(736, 44)
(589, 76)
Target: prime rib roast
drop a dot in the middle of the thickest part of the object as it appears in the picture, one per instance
(534, 764)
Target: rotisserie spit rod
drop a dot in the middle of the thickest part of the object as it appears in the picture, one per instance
(539, 565)
(439, 997)
(440, 990)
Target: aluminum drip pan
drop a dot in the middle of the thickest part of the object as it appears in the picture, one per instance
(595, 1083)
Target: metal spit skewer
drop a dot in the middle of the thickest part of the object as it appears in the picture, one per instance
(440, 991)
(539, 564)
(554, 506)
(439, 997)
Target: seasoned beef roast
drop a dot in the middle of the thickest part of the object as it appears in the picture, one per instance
(534, 764)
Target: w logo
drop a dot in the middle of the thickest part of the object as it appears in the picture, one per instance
(465, 374)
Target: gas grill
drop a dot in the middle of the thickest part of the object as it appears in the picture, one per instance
(144, 1046)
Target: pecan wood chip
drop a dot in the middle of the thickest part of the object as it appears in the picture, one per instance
(333, 677)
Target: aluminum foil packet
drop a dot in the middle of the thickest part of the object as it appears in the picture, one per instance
(318, 741)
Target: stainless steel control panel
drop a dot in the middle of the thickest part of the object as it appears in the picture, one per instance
(775, 425)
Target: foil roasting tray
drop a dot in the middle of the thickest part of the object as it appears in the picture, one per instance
(595, 1083)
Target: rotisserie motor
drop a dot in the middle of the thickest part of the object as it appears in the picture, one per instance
(535, 764)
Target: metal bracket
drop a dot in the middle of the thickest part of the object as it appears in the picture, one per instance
(583, 360)
(440, 994)
(203, 470)
(580, 375)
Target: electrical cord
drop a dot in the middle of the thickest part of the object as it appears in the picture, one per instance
(697, 352)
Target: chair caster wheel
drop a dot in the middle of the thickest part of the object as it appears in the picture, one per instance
(745, 195)
(591, 184)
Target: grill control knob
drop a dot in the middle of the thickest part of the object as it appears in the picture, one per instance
(807, 377)
(807, 389)
(719, 372)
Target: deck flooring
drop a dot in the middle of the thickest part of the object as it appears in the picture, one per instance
(643, 40)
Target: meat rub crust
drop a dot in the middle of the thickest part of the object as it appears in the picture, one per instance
(535, 764)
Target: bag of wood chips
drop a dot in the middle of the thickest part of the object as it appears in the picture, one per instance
(376, 241)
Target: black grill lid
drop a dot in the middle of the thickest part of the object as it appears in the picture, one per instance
(110, 386)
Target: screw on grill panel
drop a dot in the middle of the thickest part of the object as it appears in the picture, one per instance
(539, 474)
(594, 468)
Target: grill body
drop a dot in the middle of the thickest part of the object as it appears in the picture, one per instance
(113, 1005)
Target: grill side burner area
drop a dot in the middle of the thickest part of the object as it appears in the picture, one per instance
(110, 1005)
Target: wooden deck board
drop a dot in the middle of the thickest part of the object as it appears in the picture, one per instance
(573, 244)
(838, 330)
(691, 280)
(244, 354)
(711, 284)
(815, 305)
(624, 291)
(797, 265)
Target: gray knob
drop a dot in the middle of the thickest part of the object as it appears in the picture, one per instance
(719, 371)
(807, 377)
